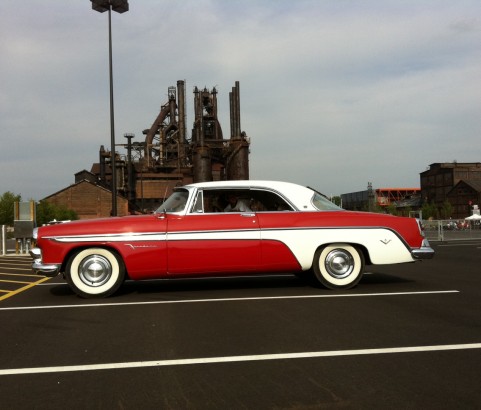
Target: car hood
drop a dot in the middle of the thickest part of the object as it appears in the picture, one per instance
(137, 223)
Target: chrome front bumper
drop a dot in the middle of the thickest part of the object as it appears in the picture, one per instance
(424, 252)
(39, 268)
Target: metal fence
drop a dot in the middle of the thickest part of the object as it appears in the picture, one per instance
(451, 230)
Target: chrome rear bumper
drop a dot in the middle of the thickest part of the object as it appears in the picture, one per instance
(424, 252)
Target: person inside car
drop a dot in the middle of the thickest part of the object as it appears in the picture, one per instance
(236, 205)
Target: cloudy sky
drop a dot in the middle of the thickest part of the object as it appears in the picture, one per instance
(334, 93)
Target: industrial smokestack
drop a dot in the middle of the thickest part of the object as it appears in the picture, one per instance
(237, 106)
(234, 100)
(181, 109)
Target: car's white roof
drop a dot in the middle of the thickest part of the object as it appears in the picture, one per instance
(298, 195)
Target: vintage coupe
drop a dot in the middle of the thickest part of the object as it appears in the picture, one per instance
(225, 228)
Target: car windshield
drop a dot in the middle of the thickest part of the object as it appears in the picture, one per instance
(174, 203)
(323, 204)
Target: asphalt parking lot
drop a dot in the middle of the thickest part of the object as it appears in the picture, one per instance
(407, 337)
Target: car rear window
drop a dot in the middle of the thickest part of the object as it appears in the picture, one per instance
(323, 204)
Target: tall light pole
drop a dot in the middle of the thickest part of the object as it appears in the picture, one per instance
(120, 6)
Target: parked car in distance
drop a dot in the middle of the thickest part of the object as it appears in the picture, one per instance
(228, 228)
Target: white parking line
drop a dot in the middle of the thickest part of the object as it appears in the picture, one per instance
(459, 244)
(163, 302)
(231, 359)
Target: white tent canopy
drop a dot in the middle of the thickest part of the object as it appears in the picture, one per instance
(474, 217)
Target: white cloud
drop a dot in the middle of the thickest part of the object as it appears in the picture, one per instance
(333, 94)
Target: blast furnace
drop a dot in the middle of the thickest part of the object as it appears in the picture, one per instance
(168, 158)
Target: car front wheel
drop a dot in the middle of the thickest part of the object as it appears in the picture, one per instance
(338, 266)
(95, 272)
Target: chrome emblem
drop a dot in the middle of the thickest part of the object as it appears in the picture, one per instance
(140, 246)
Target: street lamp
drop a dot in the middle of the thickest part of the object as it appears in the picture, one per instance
(120, 6)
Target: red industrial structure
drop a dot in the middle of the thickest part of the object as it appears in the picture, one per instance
(382, 197)
(390, 196)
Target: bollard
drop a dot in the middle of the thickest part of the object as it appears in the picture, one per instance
(4, 239)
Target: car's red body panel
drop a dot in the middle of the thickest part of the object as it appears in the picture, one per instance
(407, 228)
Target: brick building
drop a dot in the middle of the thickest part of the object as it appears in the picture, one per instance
(463, 196)
(455, 182)
(88, 199)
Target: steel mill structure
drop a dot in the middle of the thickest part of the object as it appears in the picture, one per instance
(166, 158)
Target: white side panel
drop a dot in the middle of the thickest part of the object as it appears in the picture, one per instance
(383, 245)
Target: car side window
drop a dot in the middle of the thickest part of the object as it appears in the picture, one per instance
(210, 202)
(239, 200)
(175, 202)
(198, 204)
(267, 201)
(222, 200)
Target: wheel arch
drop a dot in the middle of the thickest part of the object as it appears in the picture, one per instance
(363, 249)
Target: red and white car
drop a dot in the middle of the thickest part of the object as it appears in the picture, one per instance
(225, 228)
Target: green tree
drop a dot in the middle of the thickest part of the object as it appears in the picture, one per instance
(336, 200)
(429, 210)
(378, 209)
(407, 211)
(7, 201)
(391, 209)
(47, 212)
(447, 210)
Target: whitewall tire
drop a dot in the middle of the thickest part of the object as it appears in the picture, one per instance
(338, 266)
(95, 272)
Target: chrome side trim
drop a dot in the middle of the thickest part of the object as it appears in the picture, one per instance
(128, 237)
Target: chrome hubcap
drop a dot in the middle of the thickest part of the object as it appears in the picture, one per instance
(339, 263)
(95, 270)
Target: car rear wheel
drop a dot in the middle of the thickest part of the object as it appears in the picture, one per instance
(338, 266)
(95, 272)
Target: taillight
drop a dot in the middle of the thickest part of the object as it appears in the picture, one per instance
(420, 226)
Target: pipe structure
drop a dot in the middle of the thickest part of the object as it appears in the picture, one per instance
(167, 111)
(130, 179)
(234, 100)
(236, 115)
(102, 164)
(181, 122)
(237, 160)
(231, 114)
